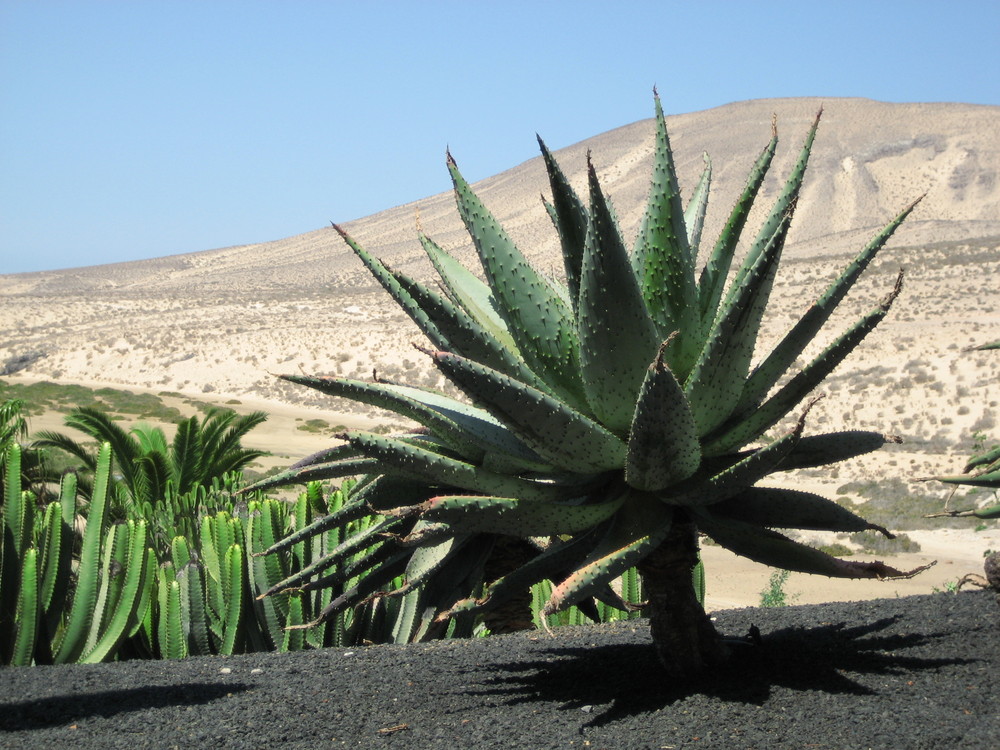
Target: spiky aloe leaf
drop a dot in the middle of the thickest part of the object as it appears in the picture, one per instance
(791, 509)
(464, 334)
(663, 259)
(336, 453)
(771, 548)
(640, 527)
(783, 207)
(743, 473)
(423, 533)
(536, 314)
(466, 429)
(617, 337)
(347, 467)
(994, 510)
(833, 447)
(382, 492)
(663, 446)
(713, 275)
(369, 585)
(391, 284)
(358, 568)
(716, 383)
(556, 431)
(515, 516)
(987, 479)
(552, 562)
(364, 540)
(767, 373)
(433, 581)
(569, 214)
(462, 570)
(694, 214)
(412, 460)
(743, 430)
(427, 560)
(983, 459)
(469, 292)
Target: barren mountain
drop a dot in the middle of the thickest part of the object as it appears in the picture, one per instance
(870, 159)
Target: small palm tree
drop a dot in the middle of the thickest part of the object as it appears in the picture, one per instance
(149, 468)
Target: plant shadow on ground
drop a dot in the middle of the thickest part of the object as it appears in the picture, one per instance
(64, 709)
(625, 679)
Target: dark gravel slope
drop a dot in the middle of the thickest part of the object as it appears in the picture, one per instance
(918, 672)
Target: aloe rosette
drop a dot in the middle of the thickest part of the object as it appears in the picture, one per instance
(610, 417)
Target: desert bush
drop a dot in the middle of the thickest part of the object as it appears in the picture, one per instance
(774, 595)
(837, 549)
(314, 425)
(877, 544)
(895, 504)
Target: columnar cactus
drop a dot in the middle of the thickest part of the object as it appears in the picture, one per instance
(611, 417)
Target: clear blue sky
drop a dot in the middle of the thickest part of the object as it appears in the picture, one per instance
(138, 129)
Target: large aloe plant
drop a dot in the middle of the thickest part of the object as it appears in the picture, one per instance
(613, 416)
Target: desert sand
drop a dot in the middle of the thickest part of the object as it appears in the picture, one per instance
(219, 325)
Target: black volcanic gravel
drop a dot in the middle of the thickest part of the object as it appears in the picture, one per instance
(917, 672)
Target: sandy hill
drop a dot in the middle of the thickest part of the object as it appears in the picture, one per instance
(870, 159)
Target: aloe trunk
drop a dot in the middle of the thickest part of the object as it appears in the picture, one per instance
(685, 638)
(509, 554)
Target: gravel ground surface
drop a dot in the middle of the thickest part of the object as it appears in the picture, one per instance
(917, 672)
